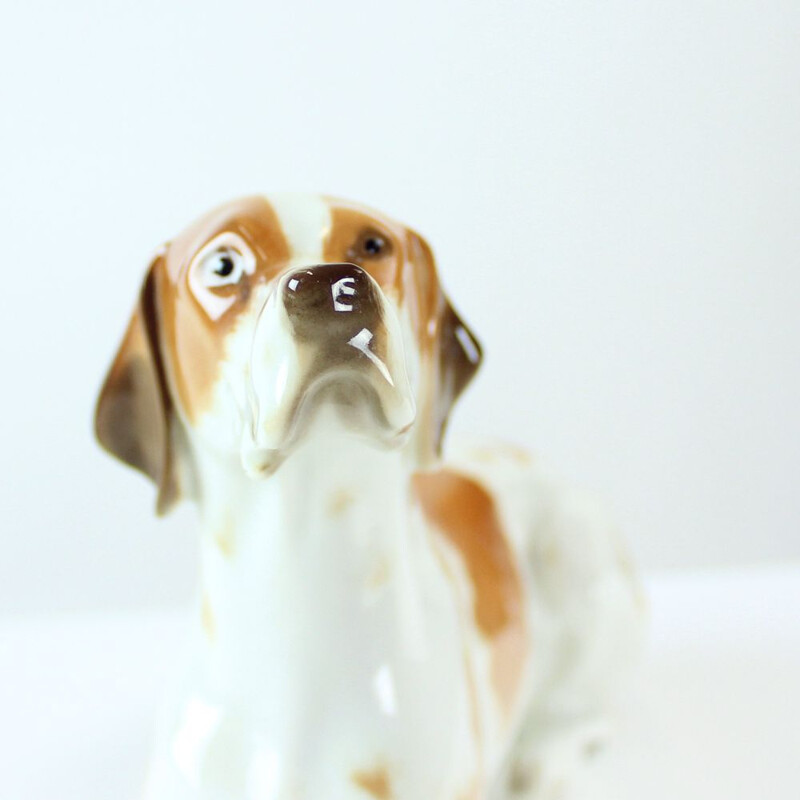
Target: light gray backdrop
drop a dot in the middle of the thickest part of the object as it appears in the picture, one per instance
(611, 189)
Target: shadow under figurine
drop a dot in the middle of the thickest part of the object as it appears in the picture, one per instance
(373, 621)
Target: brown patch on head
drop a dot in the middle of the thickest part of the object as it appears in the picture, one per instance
(465, 513)
(377, 245)
(374, 781)
(195, 340)
(402, 263)
(170, 354)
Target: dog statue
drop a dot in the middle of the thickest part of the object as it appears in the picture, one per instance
(372, 621)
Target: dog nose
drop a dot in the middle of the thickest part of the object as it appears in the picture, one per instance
(330, 296)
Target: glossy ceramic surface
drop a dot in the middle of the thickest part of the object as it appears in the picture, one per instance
(372, 620)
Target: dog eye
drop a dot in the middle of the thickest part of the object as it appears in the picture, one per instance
(223, 267)
(372, 244)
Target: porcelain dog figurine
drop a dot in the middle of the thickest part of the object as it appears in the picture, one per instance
(372, 620)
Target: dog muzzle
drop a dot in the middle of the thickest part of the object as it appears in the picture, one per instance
(326, 336)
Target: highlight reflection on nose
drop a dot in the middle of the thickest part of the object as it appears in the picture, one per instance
(343, 288)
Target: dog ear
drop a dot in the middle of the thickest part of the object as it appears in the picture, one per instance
(450, 352)
(134, 415)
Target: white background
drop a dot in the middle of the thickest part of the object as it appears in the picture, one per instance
(611, 189)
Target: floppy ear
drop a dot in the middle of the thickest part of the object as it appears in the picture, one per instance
(134, 414)
(450, 352)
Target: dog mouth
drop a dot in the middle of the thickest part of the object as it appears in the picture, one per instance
(313, 370)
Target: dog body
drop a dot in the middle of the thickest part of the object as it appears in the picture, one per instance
(372, 620)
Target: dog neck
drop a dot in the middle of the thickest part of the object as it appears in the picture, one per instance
(329, 549)
(332, 479)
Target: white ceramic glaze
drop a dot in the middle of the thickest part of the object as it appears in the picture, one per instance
(350, 640)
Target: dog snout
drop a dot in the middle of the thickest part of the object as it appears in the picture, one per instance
(327, 297)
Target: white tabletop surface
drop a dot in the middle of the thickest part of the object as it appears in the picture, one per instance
(714, 711)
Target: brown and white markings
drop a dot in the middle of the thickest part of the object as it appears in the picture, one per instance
(373, 620)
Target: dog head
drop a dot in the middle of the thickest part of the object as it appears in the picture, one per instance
(267, 309)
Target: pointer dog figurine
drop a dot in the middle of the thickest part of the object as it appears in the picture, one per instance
(373, 621)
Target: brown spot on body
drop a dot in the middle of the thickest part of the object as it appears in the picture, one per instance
(379, 575)
(374, 782)
(225, 540)
(339, 502)
(502, 451)
(523, 777)
(508, 664)
(465, 513)
(471, 793)
(207, 618)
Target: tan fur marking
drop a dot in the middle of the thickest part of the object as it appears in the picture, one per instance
(195, 342)
(344, 243)
(471, 793)
(508, 665)
(374, 781)
(207, 617)
(225, 540)
(465, 513)
(339, 502)
(502, 451)
(380, 575)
